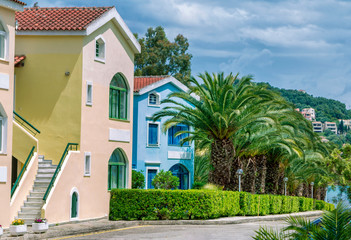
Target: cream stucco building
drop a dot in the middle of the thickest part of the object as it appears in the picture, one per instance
(73, 99)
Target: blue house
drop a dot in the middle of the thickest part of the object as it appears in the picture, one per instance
(154, 150)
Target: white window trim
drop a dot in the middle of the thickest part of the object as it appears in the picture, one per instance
(158, 134)
(3, 137)
(89, 103)
(87, 154)
(158, 100)
(99, 59)
(6, 45)
(146, 175)
(74, 190)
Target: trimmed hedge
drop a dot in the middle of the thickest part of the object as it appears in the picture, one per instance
(131, 204)
(138, 204)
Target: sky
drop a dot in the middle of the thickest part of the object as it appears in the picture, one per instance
(295, 44)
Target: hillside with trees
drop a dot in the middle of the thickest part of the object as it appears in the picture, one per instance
(326, 109)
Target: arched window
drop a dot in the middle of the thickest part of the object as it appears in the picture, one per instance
(117, 170)
(154, 99)
(182, 173)
(118, 97)
(2, 41)
(100, 48)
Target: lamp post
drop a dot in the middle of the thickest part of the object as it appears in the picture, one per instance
(239, 172)
(285, 181)
(312, 183)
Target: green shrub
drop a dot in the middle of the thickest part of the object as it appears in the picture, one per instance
(275, 204)
(286, 204)
(198, 185)
(254, 204)
(321, 205)
(138, 180)
(295, 204)
(306, 204)
(165, 180)
(132, 204)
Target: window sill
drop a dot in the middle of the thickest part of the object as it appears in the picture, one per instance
(99, 60)
(87, 175)
(155, 106)
(153, 146)
(171, 145)
(89, 104)
(120, 120)
(3, 60)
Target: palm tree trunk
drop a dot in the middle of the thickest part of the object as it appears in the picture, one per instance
(249, 179)
(272, 177)
(222, 155)
(300, 190)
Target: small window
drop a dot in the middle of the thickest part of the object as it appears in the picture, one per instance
(154, 99)
(174, 139)
(153, 134)
(1, 133)
(2, 42)
(89, 93)
(100, 49)
(87, 164)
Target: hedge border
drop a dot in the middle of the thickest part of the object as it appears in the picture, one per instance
(138, 204)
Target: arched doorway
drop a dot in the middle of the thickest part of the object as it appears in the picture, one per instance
(117, 170)
(74, 203)
(182, 173)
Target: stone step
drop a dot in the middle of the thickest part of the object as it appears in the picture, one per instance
(35, 199)
(44, 175)
(46, 165)
(45, 161)
(46, 170)
(37, 194)
(33, 204)
(39, 189)
(31, 210)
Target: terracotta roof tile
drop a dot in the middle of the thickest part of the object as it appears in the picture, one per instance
(143, 81)
(58, 19)
(16, 1)
(19, 59)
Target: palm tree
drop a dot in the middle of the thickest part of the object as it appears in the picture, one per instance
(334, 225)
(221, 107)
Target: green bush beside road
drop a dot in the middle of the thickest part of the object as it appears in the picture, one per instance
(137, 204)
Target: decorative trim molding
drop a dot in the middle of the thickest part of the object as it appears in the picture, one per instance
(4, 81)
(179, 155)
(119, 135)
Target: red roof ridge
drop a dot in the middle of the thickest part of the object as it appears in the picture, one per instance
(153, 76)
(40, 8)
(20, 2)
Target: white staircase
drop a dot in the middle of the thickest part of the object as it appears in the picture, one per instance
(32, 206)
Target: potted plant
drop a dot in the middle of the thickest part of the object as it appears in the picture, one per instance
(18, 228)
(1, 231)
(40, 225)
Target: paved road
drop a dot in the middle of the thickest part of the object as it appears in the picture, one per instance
(184, 232)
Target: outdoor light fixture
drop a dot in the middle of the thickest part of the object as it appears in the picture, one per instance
(312, 183)
(239, 172)
(285, 181)
(67, 73)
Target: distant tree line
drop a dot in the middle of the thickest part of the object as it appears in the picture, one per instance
(326, 109)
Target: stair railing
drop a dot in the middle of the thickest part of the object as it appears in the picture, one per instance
(69, 147)
(24, 123)
(24, 168)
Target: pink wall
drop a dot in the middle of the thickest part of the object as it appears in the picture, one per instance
(95, 125)
(6, 99)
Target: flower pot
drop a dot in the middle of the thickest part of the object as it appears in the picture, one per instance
(1, 231)
(40, 227)
(18, 230)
